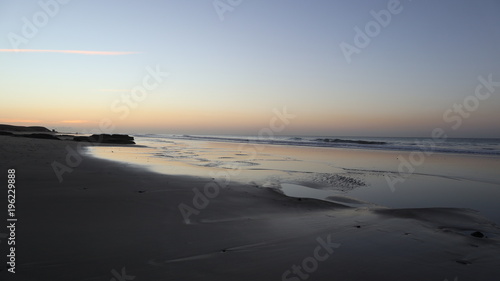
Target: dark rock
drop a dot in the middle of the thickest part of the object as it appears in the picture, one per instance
(41, 136)
(81, 139)
(12, 128)
(106, 138)
(477, 234)
(465, 262)
(6, 133)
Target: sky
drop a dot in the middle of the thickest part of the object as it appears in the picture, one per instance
(340, 68)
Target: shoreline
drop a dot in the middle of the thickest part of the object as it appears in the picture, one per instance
(385, 178)
(106, 216)
(409, 144)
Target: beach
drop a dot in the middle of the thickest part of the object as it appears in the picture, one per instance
(249, 140)
(109, 219)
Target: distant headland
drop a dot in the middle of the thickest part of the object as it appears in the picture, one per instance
(40, 132)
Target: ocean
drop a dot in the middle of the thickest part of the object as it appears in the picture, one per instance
(477, 146)
(371, 171)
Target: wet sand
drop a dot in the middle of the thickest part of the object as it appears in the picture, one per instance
(395, 179)
(108, 220)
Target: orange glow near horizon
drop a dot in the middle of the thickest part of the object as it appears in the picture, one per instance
(14, 121)
(74, 121)
(177, 68)
(203, 120)
(166, 113)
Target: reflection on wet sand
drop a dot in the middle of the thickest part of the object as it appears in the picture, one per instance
(444, 180)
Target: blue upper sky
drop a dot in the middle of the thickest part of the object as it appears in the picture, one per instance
(229, 68)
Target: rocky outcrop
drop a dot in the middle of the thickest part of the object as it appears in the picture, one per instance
(40, 136)
(2, 133)
(11, 128)
(106, 138)
(39, 132)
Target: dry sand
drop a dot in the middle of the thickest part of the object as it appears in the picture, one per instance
(110, 221)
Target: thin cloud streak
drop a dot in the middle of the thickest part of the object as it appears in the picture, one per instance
(74, 121)
(102, 53)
